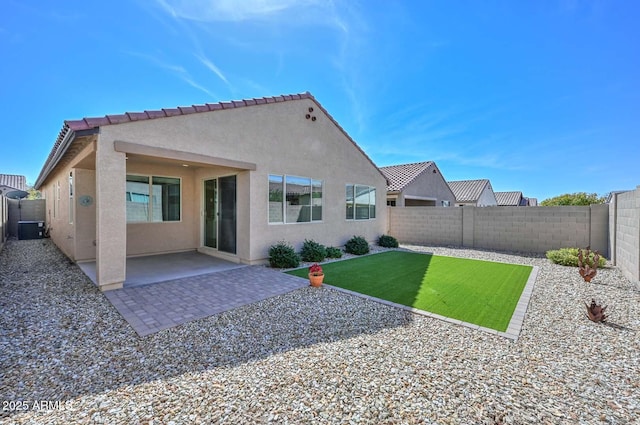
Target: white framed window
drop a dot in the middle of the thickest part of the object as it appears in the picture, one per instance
(446, 203)
(153, 198)
(294, 199)
(360, 202)
(71, 205)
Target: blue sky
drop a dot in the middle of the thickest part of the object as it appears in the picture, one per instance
(537, 96)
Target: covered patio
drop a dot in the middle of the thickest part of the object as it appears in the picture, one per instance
(150, 269)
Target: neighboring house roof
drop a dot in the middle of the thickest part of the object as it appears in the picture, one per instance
(90, 125)
(533, 202)
(511, 199)
(13, 181)
(468, 190)
(400, 176)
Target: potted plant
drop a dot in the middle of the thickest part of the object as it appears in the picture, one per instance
(316, 275)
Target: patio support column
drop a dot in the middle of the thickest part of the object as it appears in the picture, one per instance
(111, 217)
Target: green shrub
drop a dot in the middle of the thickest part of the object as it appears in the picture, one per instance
(313, 252)
(357, 245)
(569, 257)
(388, 241)
(334, 252)
(283, 256)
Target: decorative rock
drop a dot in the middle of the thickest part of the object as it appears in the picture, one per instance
(314, 356)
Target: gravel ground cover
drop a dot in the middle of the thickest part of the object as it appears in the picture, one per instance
(313, 356)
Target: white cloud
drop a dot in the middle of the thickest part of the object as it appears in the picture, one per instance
(206, 62)
(177, 70)
(232, 10)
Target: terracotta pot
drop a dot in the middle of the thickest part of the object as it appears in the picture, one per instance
(316, 280)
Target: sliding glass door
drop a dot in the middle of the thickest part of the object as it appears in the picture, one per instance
(220, 214)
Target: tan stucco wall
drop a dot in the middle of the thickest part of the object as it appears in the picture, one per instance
(279, 140)
(60, 230)
(85, 215)
(153, 238)
(111, 228)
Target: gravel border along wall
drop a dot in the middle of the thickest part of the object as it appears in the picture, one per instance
(312, 356)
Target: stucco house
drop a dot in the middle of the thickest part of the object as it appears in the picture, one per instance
(227, 179)
(477, 193)
(419, 184)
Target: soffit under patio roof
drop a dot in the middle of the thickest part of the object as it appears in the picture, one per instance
(170, 156)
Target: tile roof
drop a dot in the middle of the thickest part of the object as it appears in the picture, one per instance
(13, 181)
(70, 127)
(399, 176)
(509, 198)
(468, 190)
(90, 123)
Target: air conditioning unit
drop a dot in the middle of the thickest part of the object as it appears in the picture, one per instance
(30, 230)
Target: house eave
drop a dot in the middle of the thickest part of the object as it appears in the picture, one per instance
(66, 137)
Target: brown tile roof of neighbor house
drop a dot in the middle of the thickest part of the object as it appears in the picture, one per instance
(468, 190)
(513, 199)
(71, 127)
(399, 176)
(14, 181)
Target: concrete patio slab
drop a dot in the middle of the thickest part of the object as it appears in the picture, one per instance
(163, 267)
(152, 308)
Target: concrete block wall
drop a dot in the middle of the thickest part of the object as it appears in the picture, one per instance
(530, 229)
(625, 237)
(24, 210)
(534, 229)
(426, 225)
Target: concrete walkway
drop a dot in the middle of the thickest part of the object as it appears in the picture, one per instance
(152, 308)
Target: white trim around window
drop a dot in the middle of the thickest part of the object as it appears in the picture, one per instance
(294, 199)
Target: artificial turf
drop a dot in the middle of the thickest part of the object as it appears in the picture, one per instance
(481, 292)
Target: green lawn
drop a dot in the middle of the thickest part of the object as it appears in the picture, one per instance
(480, 292)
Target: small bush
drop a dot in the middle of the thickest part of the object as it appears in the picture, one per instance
(357, 245)
(569, 257)
(313, 252)
(283, 256)
(334, 252)
(388, 241)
